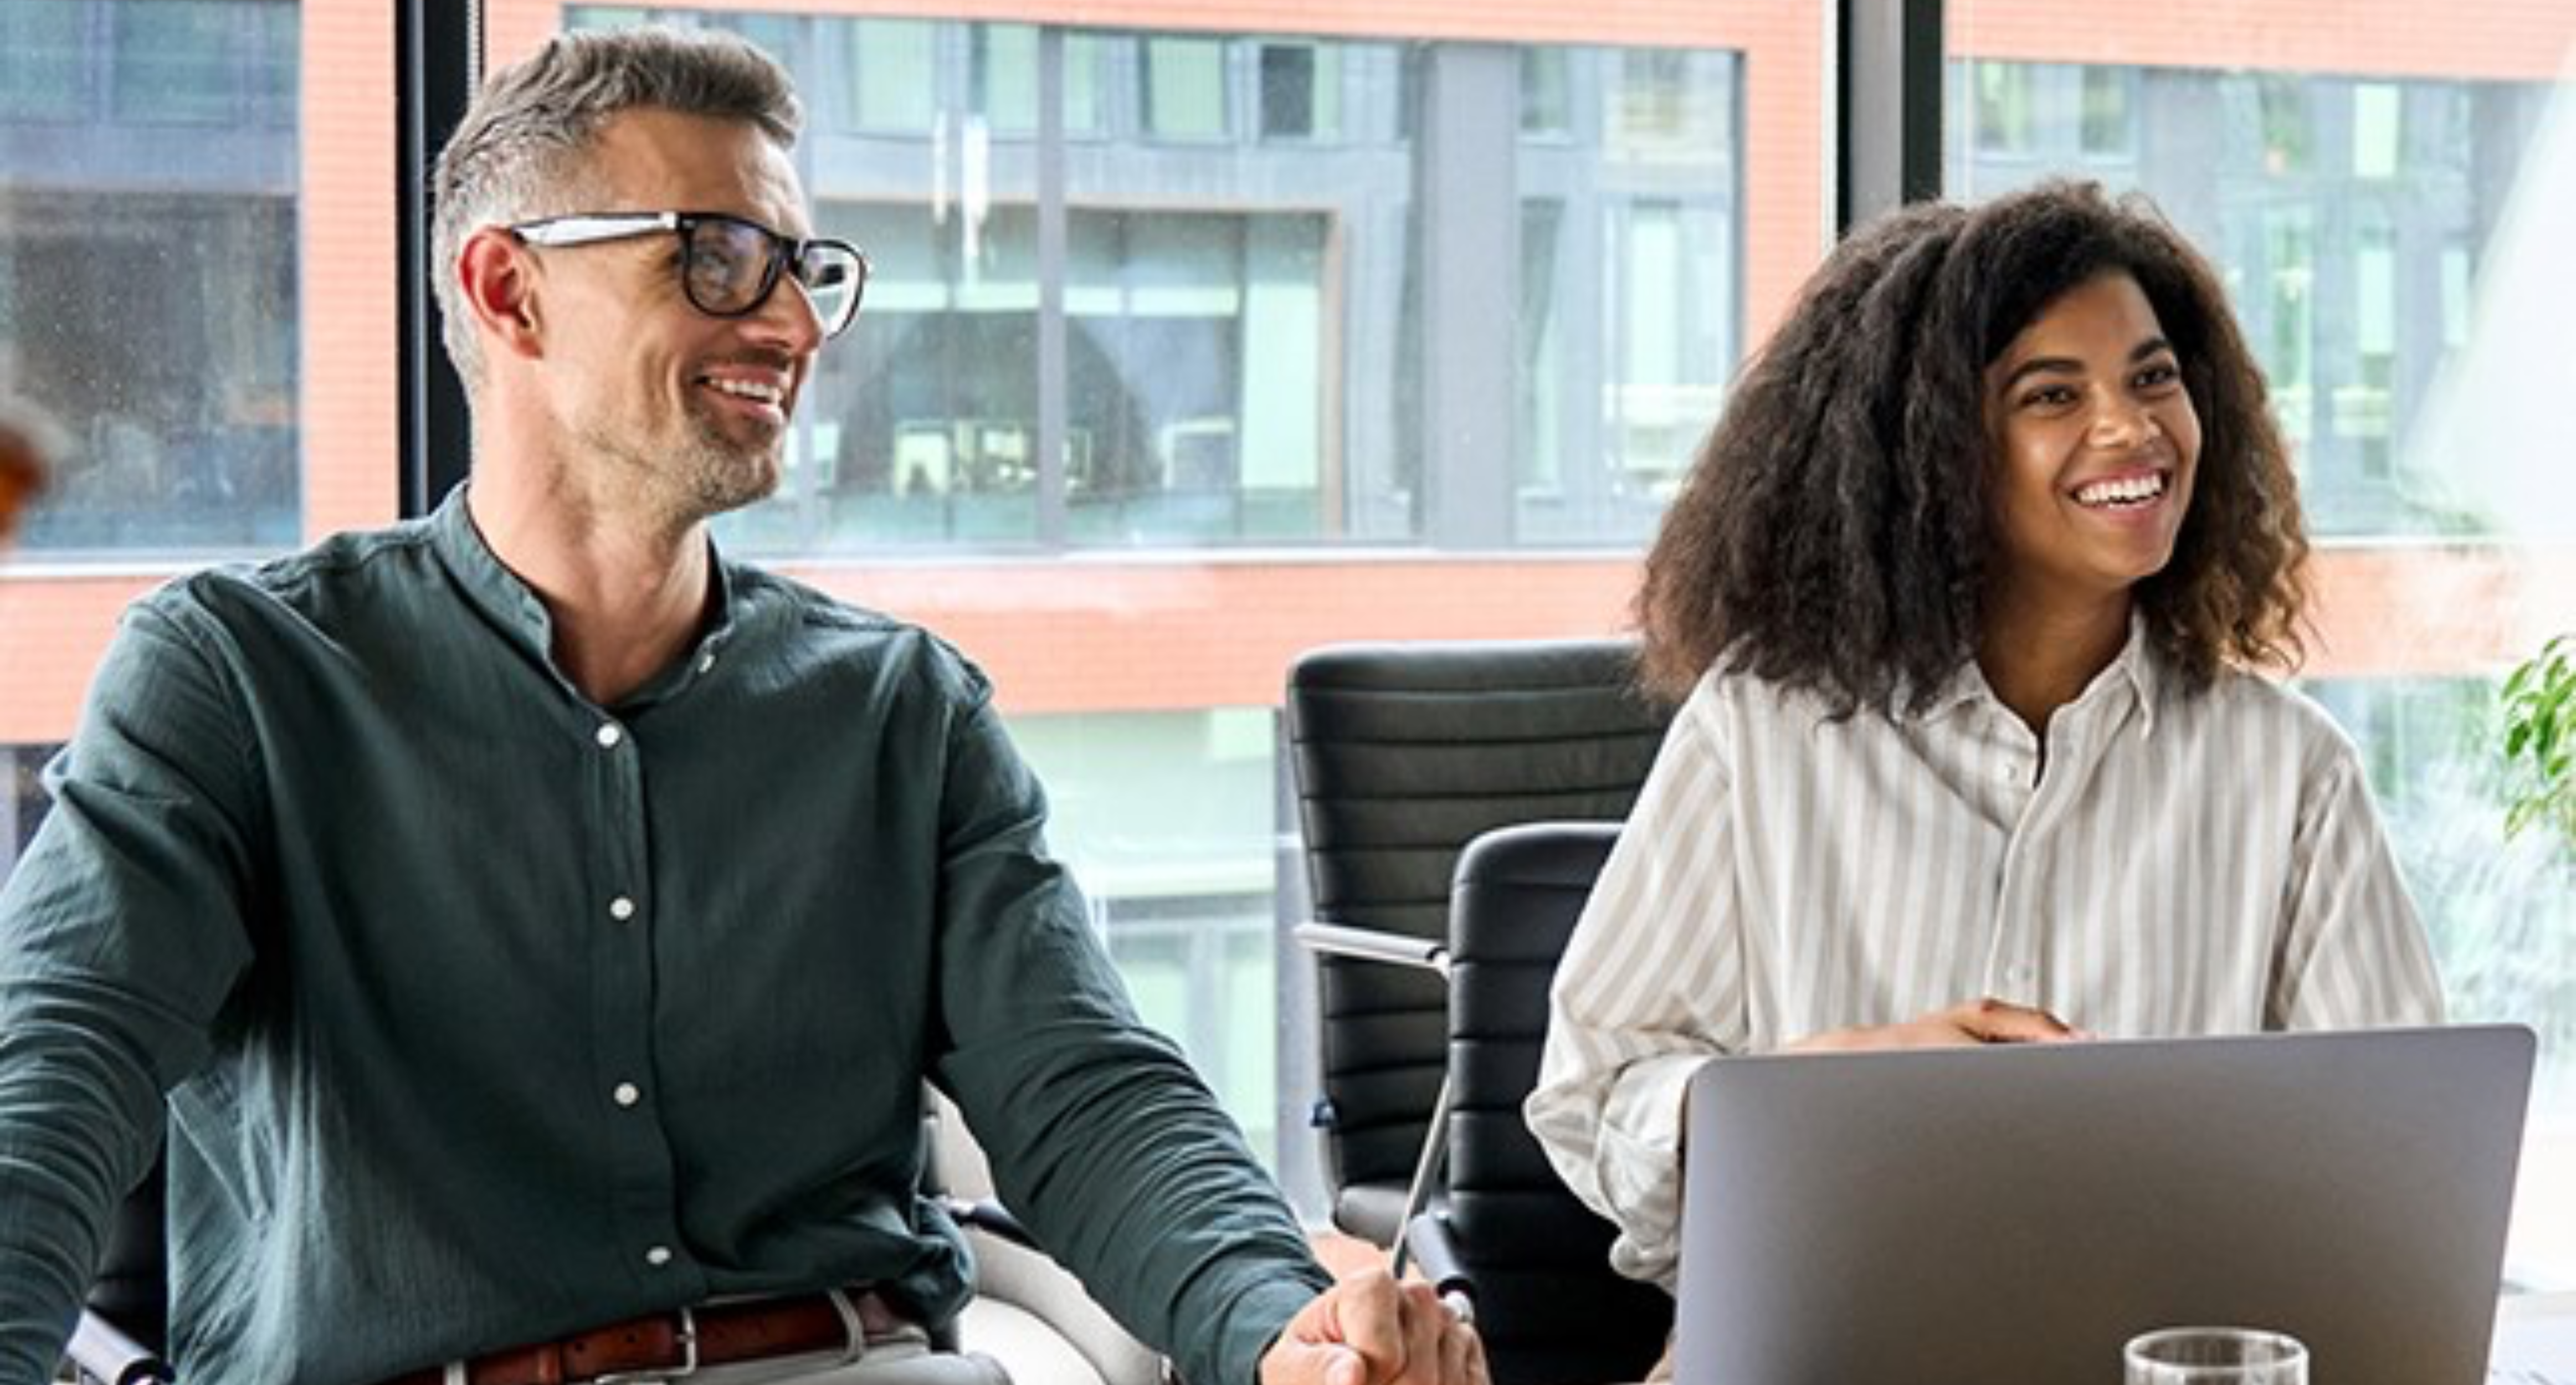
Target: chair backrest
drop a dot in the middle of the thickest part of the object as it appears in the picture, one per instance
(1401, 754)
(132, 1289)
(1550, 1308)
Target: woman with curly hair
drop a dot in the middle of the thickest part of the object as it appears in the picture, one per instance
(1963, 603)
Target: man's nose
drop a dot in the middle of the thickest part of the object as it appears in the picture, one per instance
(789, 320)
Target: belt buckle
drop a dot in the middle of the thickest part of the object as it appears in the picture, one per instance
(688, 1360)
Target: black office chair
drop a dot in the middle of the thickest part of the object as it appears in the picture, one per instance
(1507, 1235)
(125, 1323)
(1401, 754)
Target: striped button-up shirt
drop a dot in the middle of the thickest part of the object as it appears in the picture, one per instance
(2184, 864)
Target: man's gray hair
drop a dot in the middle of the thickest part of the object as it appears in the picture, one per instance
(519, 152)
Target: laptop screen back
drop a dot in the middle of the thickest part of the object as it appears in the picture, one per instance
(2016, 1214)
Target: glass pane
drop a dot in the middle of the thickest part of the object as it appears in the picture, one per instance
(894, 71)
(150, 286)
(1614, 401)
(179, 61)
(2389, 205)
(1006, 77)
(1185, 88)
(42, 61)
(1547, 95)
(1170, 816)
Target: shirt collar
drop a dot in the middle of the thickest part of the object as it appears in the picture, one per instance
(491, 587)
(2144, 672)
(514, 608)
(2135, 667)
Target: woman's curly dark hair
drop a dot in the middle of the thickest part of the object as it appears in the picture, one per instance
(1835, 530)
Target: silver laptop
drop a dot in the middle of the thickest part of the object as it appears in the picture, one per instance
(2012, 1215)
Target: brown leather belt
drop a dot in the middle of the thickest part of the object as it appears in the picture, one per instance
(671, 1345)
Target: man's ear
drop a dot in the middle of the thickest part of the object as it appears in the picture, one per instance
(499, 279)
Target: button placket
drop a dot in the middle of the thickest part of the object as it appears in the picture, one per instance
(621, 1016)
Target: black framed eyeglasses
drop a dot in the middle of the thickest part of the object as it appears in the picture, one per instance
(728, 266)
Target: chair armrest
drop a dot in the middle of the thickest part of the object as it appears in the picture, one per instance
(100, 1351)
(1435, 1258)
(1375, 945)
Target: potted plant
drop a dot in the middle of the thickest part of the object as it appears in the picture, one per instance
(2540, 742)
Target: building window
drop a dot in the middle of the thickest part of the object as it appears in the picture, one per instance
(2108, 120)
(43, 58)
(1547, 96)
(2004, 118)
(1005, 77)
(2378, 129)
(2288, 127)
(1185, 89)
(1291, 91)
(894, 73)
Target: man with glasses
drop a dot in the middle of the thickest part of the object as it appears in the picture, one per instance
(541, 927)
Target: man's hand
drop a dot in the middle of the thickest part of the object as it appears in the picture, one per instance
(1988, 1021)
(1370, 1330)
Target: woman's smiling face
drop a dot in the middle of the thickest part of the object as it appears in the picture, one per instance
(2094, 442)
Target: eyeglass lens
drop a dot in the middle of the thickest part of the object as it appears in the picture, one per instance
(732, 265)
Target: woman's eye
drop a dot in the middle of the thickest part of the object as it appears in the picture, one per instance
(2048, 396)
(2160, 374)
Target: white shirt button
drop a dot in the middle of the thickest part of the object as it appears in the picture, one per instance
(609, 734)
(627, 1094)
(657, 1256)
(621, 908)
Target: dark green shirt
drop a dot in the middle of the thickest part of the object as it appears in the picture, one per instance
(486, 1014)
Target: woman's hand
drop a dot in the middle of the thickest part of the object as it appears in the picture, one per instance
(1987, 1021)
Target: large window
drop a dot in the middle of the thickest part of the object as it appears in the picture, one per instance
(2389, 218)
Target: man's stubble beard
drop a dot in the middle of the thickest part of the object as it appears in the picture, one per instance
(704, 474)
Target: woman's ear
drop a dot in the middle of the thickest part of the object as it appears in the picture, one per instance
(499, 279)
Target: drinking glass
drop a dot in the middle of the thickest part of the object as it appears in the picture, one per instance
(2216, 1356)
